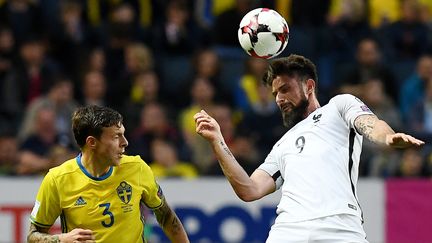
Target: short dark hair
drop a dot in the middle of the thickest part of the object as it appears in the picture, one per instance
(90, 120)
(293, 65)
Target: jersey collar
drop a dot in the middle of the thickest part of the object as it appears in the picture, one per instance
(83, 169)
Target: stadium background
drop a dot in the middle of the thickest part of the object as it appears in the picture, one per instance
(160, 61)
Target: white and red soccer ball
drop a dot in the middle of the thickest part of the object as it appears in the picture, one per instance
(263, 33)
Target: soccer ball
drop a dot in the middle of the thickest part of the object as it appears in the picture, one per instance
(263, 33)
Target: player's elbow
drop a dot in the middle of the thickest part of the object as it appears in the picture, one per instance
(247, 197)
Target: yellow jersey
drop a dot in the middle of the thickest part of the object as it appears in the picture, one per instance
(108, 205)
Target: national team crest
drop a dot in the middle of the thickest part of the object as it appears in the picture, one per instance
(124, 191)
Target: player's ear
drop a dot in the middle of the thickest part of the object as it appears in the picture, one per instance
(91, 142)
(310, 86)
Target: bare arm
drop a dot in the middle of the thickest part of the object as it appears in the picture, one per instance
(247, 188)
(379, 132)
(40, 235)
(170, 223)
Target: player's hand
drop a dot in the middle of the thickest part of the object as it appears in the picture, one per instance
(402, 140)
(78, 236)
(207, 126)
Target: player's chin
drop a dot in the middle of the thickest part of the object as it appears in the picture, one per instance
(116, 159)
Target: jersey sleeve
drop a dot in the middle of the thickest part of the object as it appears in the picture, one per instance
(47, 206)
(350, 107)
(152, 194)
(270, 166)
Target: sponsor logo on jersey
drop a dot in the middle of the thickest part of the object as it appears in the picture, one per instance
(80, 202)
(124, 191)
(316, 117)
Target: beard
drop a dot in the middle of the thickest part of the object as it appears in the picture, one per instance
(291, 118)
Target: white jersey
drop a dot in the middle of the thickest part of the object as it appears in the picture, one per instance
(316, 163)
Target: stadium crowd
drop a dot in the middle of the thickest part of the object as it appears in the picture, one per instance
(158, 62)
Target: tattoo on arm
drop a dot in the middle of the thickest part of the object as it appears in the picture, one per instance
(168, 219)
(225, 147)
(365, 125)
(40, 235)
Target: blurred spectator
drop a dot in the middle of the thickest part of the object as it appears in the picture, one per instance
(202, 93)
(203, 157)
(202, 97)
(246, 94)
(178, 34)
(426, 12)
(155, 124)
(42, 149)
(377, 160)
(145, 90)
(383, 12)
(97, 15)
(93, 89)
(8, 154)
(8, 116)
(166, 163)
(406, 38)
(138, 58)
(68, 42)
(244, 149)
(31, 77)
(246, 153)
(346, 27)
(368, 65)
(226, 24)
(60, 101)
(412, 164)
(121, 33)
(23, 17)
(96, 60)
(7, 52)
(262, 115)
(309, 13)
(123, 25)
(420, 121)
(374, 95)
(207, 10)
(413, 89)
(206, 64)
(242, 146)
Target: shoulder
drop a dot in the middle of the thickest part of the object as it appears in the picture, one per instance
(67, 167)
(342, 98)
(133, 161)
(60, 173)
(347, 101)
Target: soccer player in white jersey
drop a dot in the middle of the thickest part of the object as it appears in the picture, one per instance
(315, 163)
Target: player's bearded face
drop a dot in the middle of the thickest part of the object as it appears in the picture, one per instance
(296, 114)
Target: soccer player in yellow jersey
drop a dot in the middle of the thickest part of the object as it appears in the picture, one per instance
(98, 194)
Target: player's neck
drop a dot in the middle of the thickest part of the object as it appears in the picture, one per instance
(313, 105)
(92, 164)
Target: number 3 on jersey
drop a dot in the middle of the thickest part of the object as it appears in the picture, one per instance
(300, 143)
(109, 213)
